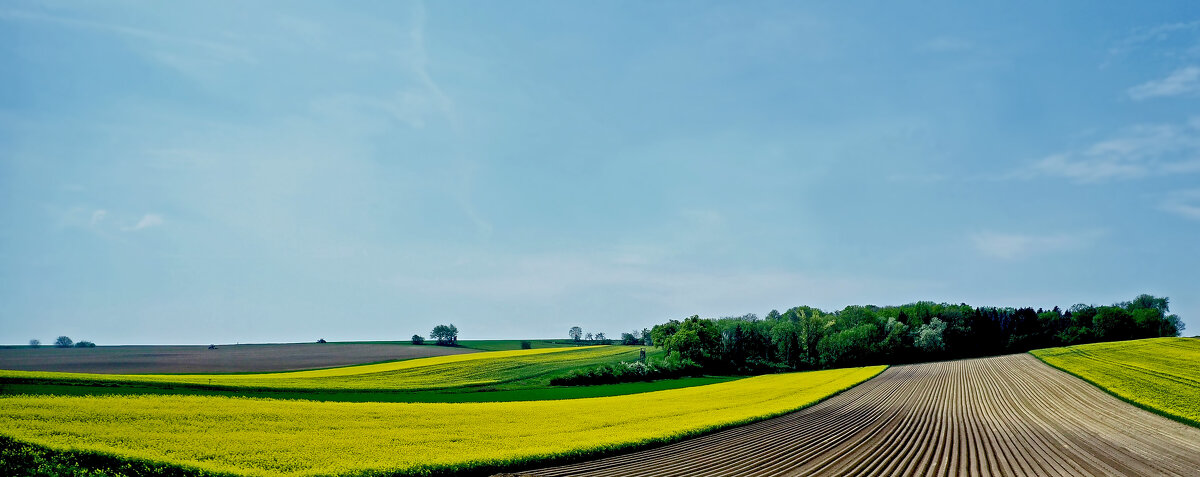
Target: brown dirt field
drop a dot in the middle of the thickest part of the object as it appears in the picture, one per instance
(1009, 415)
(200, 359)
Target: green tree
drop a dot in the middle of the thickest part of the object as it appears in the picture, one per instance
(696, 340)
(848, 347)
(576, 333)
(63, 342)
(896, 338)
(1112, 323)
(418, 339)
(660, 334)
(929, 337)
(446, 335)
(35, 343)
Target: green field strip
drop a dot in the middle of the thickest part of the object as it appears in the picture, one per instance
(516, 393)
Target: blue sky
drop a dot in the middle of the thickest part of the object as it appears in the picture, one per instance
(196, 172)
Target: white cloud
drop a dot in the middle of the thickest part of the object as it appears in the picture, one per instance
(98, 216)
(1184, 203)
(1017, 246)
(147, 221)
(1140, 151)
(1180, 82)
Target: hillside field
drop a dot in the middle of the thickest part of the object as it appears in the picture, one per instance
(241, 358)
(482, 376)
(1001, 416)
(297, 437)
(1159, 374)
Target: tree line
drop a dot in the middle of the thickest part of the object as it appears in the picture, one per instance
(805, 337)
(632, 338)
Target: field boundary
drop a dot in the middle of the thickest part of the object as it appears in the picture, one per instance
(1168, 415)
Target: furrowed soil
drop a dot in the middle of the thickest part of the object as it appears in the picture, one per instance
(247, 358)
(1008, 415)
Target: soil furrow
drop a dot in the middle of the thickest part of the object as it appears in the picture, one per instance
(1007, 415)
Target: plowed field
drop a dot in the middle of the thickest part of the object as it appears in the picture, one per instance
(1009, 415)
(199, 359)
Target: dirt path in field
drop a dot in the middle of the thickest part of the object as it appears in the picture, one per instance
(199, 359)
(1009, 415)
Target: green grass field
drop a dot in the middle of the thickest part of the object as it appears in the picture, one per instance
(1158, 374)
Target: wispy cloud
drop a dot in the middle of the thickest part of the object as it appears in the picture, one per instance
(98, 216)
(1139, 151)
(1180, 82)
(189, 55)
(1008, 246)
(551, 278)
(147, 221)
(1150, 37)
(1184, 203)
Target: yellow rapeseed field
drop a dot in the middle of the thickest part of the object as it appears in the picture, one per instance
(293, 437)
(423, 373)
(1161, 374)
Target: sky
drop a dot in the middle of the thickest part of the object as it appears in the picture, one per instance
(233, 172)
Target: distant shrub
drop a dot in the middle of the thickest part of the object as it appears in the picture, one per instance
(63, 342)
(418, 339)
(526, 345)
(85, 344)
(35, 343)
(625, 372)
(322, 340)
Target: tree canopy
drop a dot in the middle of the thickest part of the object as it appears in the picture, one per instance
(809, 338)
(446, 335)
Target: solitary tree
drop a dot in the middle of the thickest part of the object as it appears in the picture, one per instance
(600, 336)
(63, 342)
(418, 339)
(35, 343)
(446, 335)
(588, 336)
(576, 333)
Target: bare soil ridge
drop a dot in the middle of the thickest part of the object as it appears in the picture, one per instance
(247, 358)
(1008, 415)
